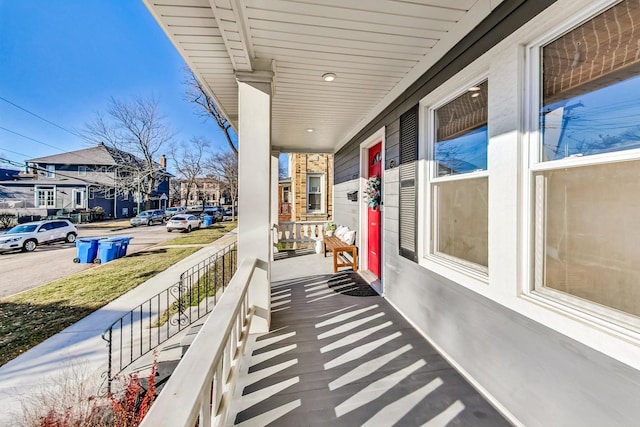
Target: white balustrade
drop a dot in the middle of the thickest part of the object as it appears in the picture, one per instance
(299, 235)
(201, 387)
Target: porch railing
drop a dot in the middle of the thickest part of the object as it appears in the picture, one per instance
(167, 313)
(201, 387)
(299, 235)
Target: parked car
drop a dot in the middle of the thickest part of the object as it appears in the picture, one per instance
(31, 234)
(215, 212)
(169, 212)
(183, 222)
(231, 211)
(148, 218)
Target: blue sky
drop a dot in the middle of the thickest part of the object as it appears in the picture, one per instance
(63, 60)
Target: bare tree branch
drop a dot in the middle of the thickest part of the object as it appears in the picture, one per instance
(224, 166)
(197, 94)
(189, 163)
(134, 133)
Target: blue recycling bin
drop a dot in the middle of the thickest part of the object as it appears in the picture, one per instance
(108, 250)
(208, 220)
(87, 249)
(124, 244)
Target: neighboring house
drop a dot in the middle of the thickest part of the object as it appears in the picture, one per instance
(206, 189)
(75, 181)
(285, 200)
(308, 194)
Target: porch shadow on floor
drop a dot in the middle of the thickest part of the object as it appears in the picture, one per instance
(340, 355)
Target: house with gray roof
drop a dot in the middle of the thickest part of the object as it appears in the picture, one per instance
(83, 180)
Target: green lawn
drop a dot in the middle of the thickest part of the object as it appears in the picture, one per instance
(203, 235)
(31, 317)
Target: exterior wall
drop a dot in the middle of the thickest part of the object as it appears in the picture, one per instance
(542, 366)
(346, 212)
(207, 188)
(303, 164)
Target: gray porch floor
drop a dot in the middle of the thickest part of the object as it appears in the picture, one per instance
(338, 354)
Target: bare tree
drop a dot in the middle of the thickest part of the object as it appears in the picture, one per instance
(189, 163)
(224, 166)
(175, 195)
(197, 94)
(134, 132)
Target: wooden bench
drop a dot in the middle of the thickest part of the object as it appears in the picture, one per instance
(338, 247)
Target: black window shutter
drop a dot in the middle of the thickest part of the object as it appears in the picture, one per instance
(408, 187)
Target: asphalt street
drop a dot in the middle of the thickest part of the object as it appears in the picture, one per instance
(20, 271)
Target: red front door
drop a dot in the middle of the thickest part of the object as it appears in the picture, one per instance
(373, 214)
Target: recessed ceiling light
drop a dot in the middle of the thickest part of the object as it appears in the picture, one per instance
(473, 89)
(309, 130)
(475, 95)
(328, 77)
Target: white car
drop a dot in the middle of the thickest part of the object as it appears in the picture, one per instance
(183, 222)
(28, 236)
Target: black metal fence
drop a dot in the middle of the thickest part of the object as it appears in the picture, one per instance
(166, 314)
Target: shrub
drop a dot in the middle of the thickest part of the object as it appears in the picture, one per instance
(7, 219)
(130, 406)
(72, 400)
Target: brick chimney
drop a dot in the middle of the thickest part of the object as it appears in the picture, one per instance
(163, 162)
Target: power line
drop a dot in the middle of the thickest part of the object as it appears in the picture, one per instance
(41, 142)
(40, 117)
(14, 152)
(31, 139)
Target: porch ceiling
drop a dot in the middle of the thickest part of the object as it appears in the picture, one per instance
(375, 48)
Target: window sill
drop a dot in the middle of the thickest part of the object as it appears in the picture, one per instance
(611, 321)
(465, 274)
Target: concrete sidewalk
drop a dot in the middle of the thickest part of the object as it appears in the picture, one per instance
(80, 345)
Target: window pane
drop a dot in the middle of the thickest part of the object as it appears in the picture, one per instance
(314, 184)
(461, 133)
(589, 87)
(462, 219)
(589, 234)
(315, 202)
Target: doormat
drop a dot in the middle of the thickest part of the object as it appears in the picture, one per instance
(352, 284)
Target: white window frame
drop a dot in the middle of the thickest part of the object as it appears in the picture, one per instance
(48, 188)
(50, 171)
(82, 170)
(83, 198)
(454, 268)
(532, 288)
(321, 192)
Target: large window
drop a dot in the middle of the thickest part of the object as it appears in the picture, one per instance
(314, 193)
(50, 171)
(585, 175)
(45, 197)
(459, 180)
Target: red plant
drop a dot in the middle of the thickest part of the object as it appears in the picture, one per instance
(133, 405)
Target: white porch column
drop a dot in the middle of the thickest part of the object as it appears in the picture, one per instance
(254, 187)
(275, 177)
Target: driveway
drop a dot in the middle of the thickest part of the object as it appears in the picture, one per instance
(22, 271)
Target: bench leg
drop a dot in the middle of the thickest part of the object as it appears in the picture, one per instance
(354, 252)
